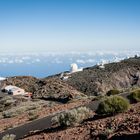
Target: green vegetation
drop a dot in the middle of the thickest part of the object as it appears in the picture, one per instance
(15, 111)
(135, 96)
(9, 114)
(72, 117)
(6, 103)
(112, 105)
(9, 137)
(11, 106)
(32, 115)
(113, 92)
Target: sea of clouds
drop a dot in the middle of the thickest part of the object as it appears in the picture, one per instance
(49, 63)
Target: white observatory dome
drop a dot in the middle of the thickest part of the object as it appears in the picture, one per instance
(74, 67)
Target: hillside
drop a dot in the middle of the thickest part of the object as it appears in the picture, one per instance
(26, 82)
(56, 89)
(94, 80)
(49, 89)
(91, 81)
(122, 126)
(53, 95)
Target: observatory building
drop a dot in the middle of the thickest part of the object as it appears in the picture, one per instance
(74, 68)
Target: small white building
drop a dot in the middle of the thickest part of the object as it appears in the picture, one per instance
(74, 68)
(102, 63)
(64, 76)
(13, 90)
(102, 66)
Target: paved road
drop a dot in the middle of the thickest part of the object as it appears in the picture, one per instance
(43, 123)
(25, 129)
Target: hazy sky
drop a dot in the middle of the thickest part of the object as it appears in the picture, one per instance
(69, 25)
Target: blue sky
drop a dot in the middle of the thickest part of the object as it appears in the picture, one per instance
(69, 25)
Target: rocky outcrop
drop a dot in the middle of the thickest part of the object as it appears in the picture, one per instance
(54, 89)
(48, 89)
(26, 82)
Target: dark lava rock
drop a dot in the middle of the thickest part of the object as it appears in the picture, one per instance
(121, 75)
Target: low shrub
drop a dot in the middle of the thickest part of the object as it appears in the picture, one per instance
(72, 117)
(9, 114)
(113, 92)
(9, 137)
(32, 115)
(7, 100)
(135, 96)
(6, 103)
(15, 111)
(112, 105)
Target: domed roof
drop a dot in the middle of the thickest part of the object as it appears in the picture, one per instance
(74, 67)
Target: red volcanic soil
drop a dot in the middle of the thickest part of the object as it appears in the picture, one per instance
(43, 112)
(98, 128)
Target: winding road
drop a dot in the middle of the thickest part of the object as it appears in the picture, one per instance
(43, 123)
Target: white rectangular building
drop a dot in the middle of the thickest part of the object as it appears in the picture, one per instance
(13, 90)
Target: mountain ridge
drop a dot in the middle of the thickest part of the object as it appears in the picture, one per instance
(91, 81)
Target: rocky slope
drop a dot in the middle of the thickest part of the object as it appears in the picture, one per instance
(56, 89)
(122, 126)
(26, 82)
(94, 80)
(50, 88)
(91, 81)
